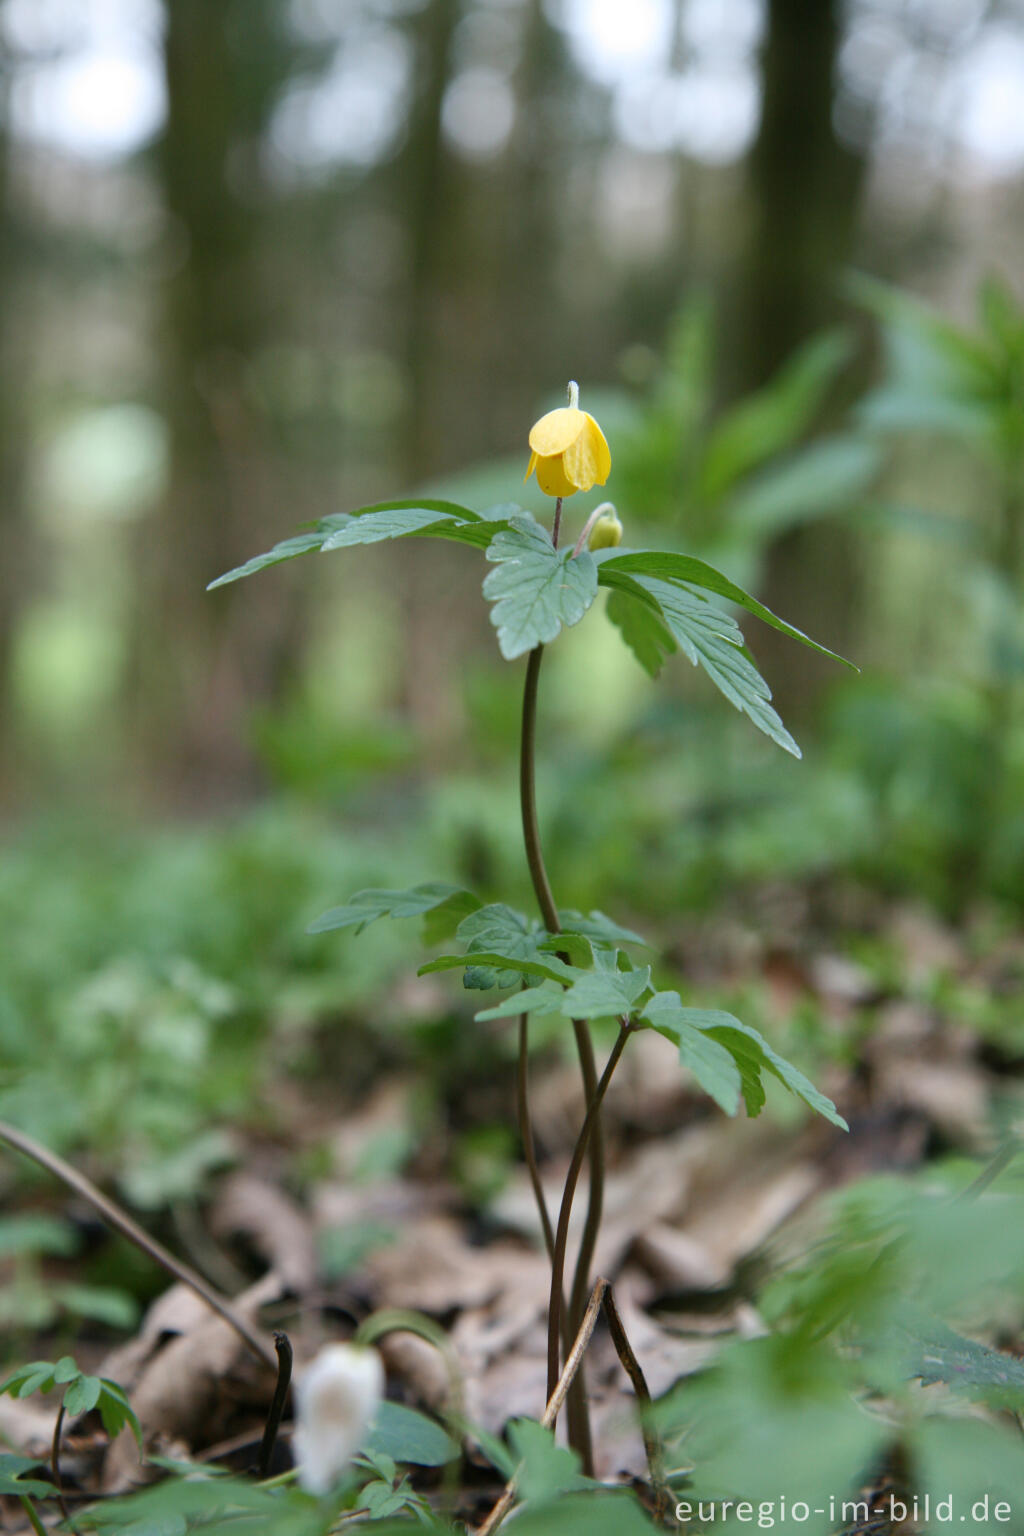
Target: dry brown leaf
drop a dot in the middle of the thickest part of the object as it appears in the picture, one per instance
(185, 1387)
(277, 1227)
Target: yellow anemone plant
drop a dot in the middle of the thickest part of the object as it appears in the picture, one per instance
(568, 450)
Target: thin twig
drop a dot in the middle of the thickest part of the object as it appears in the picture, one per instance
(632, 1368)
(55, 1469)
(555, 1401)
(123, 1223)
(283, 1346)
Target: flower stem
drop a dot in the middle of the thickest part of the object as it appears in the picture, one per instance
(579, 1424)
(571, 1179)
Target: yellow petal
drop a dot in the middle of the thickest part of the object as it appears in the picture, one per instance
(551, 476)
(531, 466)
(556, 431)
(588, 461)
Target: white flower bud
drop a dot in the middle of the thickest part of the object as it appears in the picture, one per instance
(335, 1399)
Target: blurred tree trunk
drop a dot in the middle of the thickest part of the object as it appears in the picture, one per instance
(203, 660)
(805, 193)
(14, 531)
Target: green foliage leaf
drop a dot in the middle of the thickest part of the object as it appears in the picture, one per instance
(668, 566)
(598, 928)
(396, 522)
(586, 1514)
(544, 1469)
(443, 901)
(713, 640)
(971, 1463)
(116, 1411)
(934, 1353)
(288, 549)
(368, 525)
(15, 1486)
(500, 930)
(408, 1436)
(605, 994)
(535, 588)
(642, 629)
(749, 1050)
(37, 1376)
(710, 1062)
(82, 1394)
(485, 966)
(545, 999)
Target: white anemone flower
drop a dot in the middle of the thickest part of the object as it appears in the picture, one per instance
(335, 1399)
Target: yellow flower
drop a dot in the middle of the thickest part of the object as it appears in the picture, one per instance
(568, 450)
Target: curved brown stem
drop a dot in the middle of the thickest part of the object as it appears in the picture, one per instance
(526, 1134)
(121, 1222)
(571, 1180)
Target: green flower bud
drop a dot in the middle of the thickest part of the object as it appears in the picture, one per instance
(606, 532)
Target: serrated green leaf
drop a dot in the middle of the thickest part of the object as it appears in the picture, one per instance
(82, 1395)
(713, 640)
(642, 629)
(535, 588)
(14, 1486)
(753, 1054)
(544, 1469)
(37, 1376)
(598, 928)
(551, 969)
(664, 565)
(410, 1437)
(545, 999)
(117, 1412)
(587, 1514)
(500, 930)
(391, 523)
(710, 1062)
(605, 994)
(288, 549)
(365, 907)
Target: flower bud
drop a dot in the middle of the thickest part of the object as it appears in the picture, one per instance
(335, 1400)
(606, 532)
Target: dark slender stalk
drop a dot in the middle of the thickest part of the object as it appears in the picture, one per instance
(526, 1134)
(121, 1222)
(579, 1423)
(283, 1346)
(632, 1368)
(55, 1469)
(571, 1179)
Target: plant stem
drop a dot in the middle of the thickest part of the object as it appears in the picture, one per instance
(282, 1345)
(33, 1517)
(555, 1398)
(123, 1223)
(526, 1134)
(572, 1177)
(579, 1424)
(55, 1469)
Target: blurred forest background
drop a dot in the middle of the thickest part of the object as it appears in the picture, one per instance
(262, 260)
